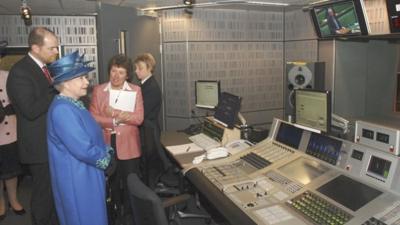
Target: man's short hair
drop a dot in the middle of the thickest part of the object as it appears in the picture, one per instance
(36, 36)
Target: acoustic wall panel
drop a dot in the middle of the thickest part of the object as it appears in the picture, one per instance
(252, 70)
(298, 25)
(222, 25)
(176, 80)
(74, 33)
(246, 50)
(305, 51)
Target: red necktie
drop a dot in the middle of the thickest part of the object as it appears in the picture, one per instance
(47, 74)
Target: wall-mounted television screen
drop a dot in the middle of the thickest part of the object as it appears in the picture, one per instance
(340, 18)
(393, 8)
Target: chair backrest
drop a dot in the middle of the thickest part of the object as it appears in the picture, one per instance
(146, 206)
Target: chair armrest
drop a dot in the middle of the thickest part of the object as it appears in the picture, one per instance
(175, 200)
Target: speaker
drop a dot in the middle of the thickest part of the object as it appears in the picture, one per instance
(302, 75)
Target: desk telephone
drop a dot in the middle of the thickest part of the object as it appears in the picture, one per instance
(220, 152)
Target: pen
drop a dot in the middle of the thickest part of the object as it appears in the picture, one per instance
(116, 99)
(188, 148)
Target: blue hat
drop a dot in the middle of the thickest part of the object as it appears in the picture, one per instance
(69, 67)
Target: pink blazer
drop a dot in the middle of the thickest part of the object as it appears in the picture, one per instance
(128, 139)
(8, 128)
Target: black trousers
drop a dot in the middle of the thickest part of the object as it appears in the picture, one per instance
(151, 165)
(118, 181)
(42, 203)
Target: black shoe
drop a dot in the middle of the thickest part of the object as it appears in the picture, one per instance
(2, 217)
(18, 212)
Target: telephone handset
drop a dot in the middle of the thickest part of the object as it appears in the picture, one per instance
(237, 145)
(216, 153)
(213, 153)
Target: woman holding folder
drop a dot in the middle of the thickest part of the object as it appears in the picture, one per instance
(118, 107)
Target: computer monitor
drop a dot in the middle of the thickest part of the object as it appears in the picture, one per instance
(339, 18)
(313, 109)
(207, 93)
(227, 109)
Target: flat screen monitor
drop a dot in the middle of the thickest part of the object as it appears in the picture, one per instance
(227, 109)
(313, 109)
(379, 167)
(393, 9)
(289, 135)
(324, 148)
(207, 93)
(340, 18)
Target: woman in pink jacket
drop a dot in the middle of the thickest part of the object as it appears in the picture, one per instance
(120, 125)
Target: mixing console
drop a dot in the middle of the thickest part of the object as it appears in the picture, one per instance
(256, 160)
(227, 174)
(318, 210)
(272, 151)
(373, 221)
(262, 155)
(296, 177)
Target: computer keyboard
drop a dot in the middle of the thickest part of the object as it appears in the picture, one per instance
(204, 141)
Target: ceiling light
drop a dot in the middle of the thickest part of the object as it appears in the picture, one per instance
(25, 11)
(267, 3)
(188, 2)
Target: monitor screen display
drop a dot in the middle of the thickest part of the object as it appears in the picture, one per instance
(340, 18)
(207, 93)
(227, 109)
(313, 109)
(289, 135)
(324, 147)
(380, 167)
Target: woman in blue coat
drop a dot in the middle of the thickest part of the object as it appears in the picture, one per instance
(78, 155)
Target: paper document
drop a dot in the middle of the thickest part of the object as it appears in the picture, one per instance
(123, 100)
(183, 149)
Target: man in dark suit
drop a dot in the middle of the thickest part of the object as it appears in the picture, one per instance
(29, 88)
(151, 93)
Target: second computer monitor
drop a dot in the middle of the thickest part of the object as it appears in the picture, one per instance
(313, 109)
(207, 93)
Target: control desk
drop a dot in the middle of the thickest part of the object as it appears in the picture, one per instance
(299, 177)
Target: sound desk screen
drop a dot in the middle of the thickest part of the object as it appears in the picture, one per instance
(289, 135)
(324, 148)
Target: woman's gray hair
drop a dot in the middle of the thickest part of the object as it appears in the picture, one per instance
(59, 87)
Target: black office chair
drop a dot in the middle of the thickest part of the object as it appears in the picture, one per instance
(147, 207)
(169, 182)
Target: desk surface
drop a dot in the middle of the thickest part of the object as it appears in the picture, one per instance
(171, 138)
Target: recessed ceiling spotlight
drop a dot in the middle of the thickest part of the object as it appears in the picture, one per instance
(188, 2)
